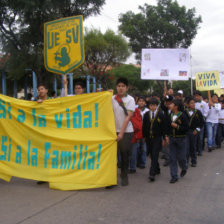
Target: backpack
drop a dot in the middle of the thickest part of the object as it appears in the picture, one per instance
(136, 121)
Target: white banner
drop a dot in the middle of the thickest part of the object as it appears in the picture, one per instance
(165, 64)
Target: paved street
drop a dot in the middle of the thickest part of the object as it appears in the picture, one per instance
(198, 198)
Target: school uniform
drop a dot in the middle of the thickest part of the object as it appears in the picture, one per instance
(153, 131)
(196, 122)
(165, 149)
(220, 131)
(212, 121)
(177, 145)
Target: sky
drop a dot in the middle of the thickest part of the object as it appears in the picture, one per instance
(207, 49)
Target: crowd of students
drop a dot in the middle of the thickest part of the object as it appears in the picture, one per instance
(173, 125)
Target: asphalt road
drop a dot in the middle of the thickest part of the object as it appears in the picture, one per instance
(198, 198)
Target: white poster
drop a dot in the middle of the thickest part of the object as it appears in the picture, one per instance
(165, 64)
(221, 79)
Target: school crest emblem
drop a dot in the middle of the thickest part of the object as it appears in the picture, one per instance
(63, 44)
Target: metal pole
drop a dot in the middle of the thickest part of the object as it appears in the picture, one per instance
(55, 84)
(3, 83)
(99, 86)
(15, 88)
(87, 84)
(70, 87)
(62, 81)
(25, 87)
(94, 84)
(34, 84)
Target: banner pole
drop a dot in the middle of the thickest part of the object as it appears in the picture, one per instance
(164, 89)
(191, 73)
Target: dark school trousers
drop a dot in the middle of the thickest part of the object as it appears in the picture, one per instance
(154, 146)
(220, 134)
(177, 154)
(191, 147)
(124, 147)
(200, 140)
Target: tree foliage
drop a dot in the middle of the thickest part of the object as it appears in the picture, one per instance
(166, 25)
(132, 73)
(21, 28)
(103, 51)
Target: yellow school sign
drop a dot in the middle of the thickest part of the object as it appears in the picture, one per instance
(69, 142)
(63, 44)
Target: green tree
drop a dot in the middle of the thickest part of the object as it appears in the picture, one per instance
(21, 28)
(103, 51)
(166, 25)
(183, 85)
(132, 73)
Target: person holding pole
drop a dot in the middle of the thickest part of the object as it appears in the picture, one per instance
(201, 105)
(212, 120)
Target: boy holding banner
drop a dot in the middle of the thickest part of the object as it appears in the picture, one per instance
(123, 106)
(42, 93)
(210, 81)
(212, 120)
(201, 105)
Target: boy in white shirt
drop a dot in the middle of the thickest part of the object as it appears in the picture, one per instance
(212, 121)
(203, 107)
(123, 106)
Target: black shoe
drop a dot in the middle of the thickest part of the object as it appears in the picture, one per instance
(218, 147)
(199, 154)
(124, 181)
(152, 178)
(209, 149)
(132, 171)
(41, 182)
(158, 172)
(194, 164)
(110, 187)
(183, 173)
(173, 180)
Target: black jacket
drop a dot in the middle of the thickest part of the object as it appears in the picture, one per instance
(196, 120)
(183, 126)
(156, 127)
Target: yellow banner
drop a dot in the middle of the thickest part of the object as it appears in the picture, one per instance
(219, 92)
(207, 80)
(64, 44)
(69, 142)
